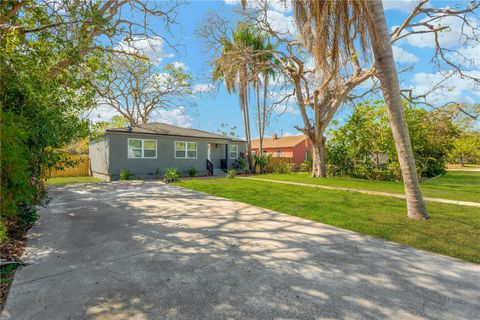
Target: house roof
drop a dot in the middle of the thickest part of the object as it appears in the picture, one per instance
(280, 142)
(164, 129)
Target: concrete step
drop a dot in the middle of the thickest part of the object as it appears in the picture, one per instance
(218, 172)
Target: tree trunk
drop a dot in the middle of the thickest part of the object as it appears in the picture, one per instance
(246, 118)
(387, 74)
(259, 114)
(319, 168)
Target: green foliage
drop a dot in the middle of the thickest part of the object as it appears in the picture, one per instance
(231, 173)
(171, 175)
(44, 89)
(466, 149)
(125, 174)
(192, 172)
(363, 147)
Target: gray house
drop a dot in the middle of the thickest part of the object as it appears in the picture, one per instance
(151, 148)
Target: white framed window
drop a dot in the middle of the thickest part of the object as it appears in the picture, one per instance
(279, 153)
(233, 151)
(185, 150)
(142, 149)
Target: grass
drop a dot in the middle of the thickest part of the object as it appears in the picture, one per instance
(72, 180)
(452, 230)
(455, 185)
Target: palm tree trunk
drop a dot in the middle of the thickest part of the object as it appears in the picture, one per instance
(259, 113)
(264, 119)
(387, 74)
(246, 114)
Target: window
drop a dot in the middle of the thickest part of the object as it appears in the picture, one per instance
(185, 150)
(233, 151)
(142, 148)
(279, 153)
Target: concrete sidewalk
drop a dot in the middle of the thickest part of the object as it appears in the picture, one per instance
(145, 250)
(370, 192)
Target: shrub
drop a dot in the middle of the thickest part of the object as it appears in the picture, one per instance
(231, 173)
(282, 167)
(125, 174)
(240, 164)
(306, 166)
(192, 172)
(171, 175)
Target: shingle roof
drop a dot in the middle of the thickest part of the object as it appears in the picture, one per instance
(280, 142)
(169, 130)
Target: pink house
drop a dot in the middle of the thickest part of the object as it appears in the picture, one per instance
(296, 148)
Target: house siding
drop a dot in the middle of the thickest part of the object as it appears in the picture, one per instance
(118, 155)
(297, 153)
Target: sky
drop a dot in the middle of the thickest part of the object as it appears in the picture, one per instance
(214, 106)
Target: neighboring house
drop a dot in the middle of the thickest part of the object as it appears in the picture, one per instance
(149, 149)
(296, 148)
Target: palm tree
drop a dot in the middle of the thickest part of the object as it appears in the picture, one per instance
(236, 66)
(329, 28)
(261, 68)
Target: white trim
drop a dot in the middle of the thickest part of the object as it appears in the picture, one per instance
(279, 153)
(186, 150)
(230, 151)
(142, 148)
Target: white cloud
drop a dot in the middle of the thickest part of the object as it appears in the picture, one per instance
(286, 109)
(402, 55)
(282, 23)
(278, 14)
(454, 89)
(281, 5)
(203, 88)
(176, 117)
(403, 5)
(468, 56)
(277, 5)
(102, 113)
(178, 65)
(456, 33)
(151, 48)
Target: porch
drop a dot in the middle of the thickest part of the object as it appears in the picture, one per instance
(217, 158)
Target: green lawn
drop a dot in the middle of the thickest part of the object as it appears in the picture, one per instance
(455, 185)
(71, 180)
(452, 230)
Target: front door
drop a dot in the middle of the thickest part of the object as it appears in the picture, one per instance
(209, 152)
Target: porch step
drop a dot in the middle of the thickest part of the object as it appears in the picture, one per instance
(218, 172)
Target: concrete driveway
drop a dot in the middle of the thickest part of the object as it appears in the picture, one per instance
(145, 250)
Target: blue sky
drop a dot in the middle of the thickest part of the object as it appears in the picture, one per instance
(218, 107)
